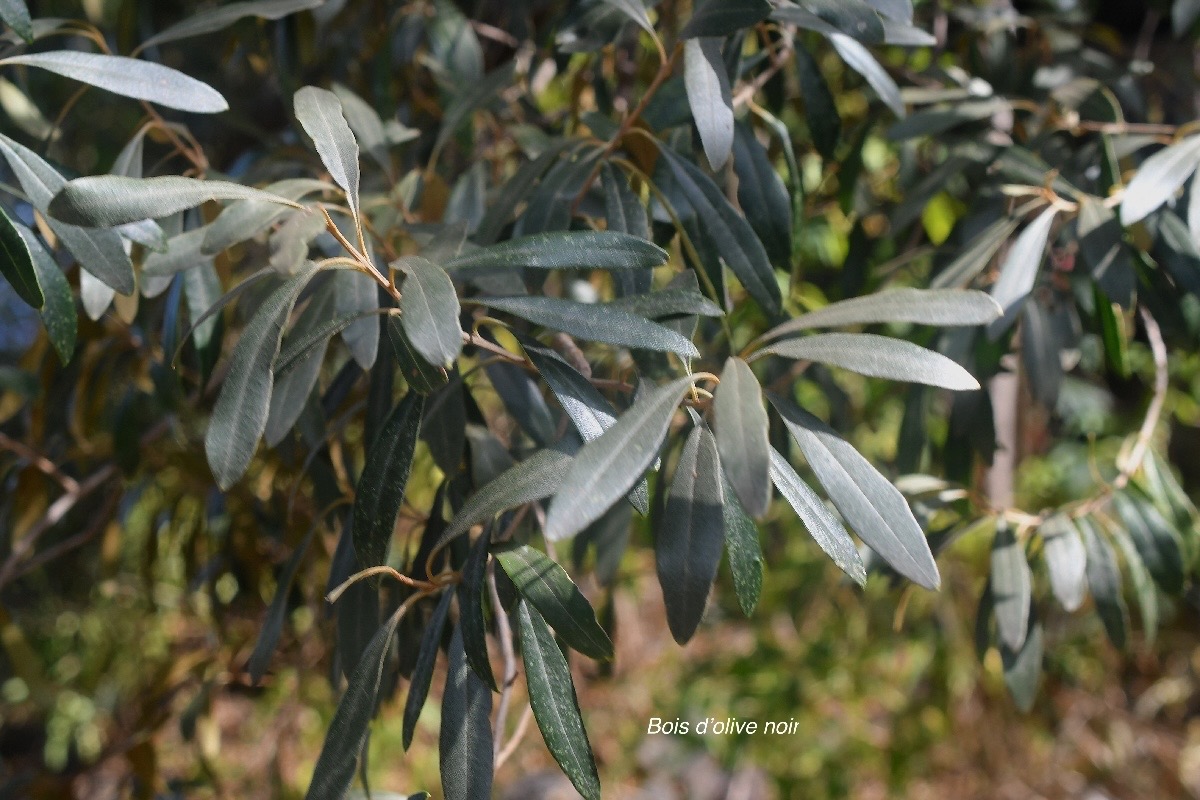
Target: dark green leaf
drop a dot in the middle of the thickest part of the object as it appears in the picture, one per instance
(762, 195)
(422, 674)
(272, 627)
(16, 264)
(465, 752)
(668, 303)
(555, 706)
(742, 429)
(820, 523)
(429, 311)
(1011, 588)
(422, 376)
(130, 77)
(595, 322)
(872, 506)
(1023, 667)
(1066, 560)
(820, 109)
(564, 250)
(348, 732)
(1102, 248)
(1143, 584)
(552, 592)
(609, 466)
(223, 16)
(357, 293)
(1104, 580)
(1155, 539)
(688, 541)
(240, 415)
(58, 312)
(319, 112)
(859, 59)
(877, 356)
(470, 607)
(1040, 354)
(380, 488)
(734, 237)
(853, 17)
(709, 97)
(723, 17)
(294, 385)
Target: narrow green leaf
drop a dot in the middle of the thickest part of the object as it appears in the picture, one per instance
(595, 322)
(709, 97)
(1066, 561)
(564, 250)
(762, 195)
(58, 312)
(872, 506)
(820, 523)
(1104, 581)
(975, 256)
(636, 11)
(1023, 667)
(940, 307)
(1040, 353)
(299, 346)
(268, 637)
(820, 109)
(1158, 178)
(608, 467)
(897, 10)
(853, 17)
(471, 595)
(1143, 584)
(1103, 250)
(689, 539)
(223, 16)
(422, 674)
(240, 415)
(16, 16)
(380, 488)
(1020, 270)
(1155, 539)
(535, 478)
(465, 749)
(742, 434)
(101, 201)
(723, 17)
(348, 732)
(293, 386)
(429, 311)
(555, 706)
(101, 253)
(142, 80)
(1012, 592)
(739, 246)
(241, 220)
(859, 59)
(745, 552)
(473, 98)
(16, 264)
(547, 586)
(420, 375)
(877, 356)
(668, 304)
(319, 112)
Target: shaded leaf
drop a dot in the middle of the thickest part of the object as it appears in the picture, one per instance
(723, 17)
(347, 733)
(689, 538)
(243, 219)
(820, 109)
(762, 195)
(268, 637)
(1102, 248)
(745, 552)
(564, 250)
(380, 490)
(853, 17)
(872, 506)
(130, 77)
(16, 264)
(555, 706)
(470, 608)
(422, 674)
(1023, 667)
(859, 59)
(551, 591)
(820, 523)
(465, 744)
(240, 415)
(294, 384)
(609, 466)
(1104, 581)
(16, 16)
(223, 16)
(420, 375)
(1155, 539)
(58, 311)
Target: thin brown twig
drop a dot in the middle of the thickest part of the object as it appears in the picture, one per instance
(518, 735)
(505, 635)
(39, 462)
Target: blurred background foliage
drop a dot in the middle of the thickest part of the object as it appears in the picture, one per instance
(125, 636)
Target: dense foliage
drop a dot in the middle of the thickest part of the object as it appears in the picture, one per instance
(456, 300)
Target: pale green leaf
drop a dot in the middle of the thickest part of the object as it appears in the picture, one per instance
(742, 435)
(320, 114)
(877, 356)
(709, 96)
(940, 307)
(429, 311)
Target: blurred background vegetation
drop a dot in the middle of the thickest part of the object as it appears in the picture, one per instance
(125, 637)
